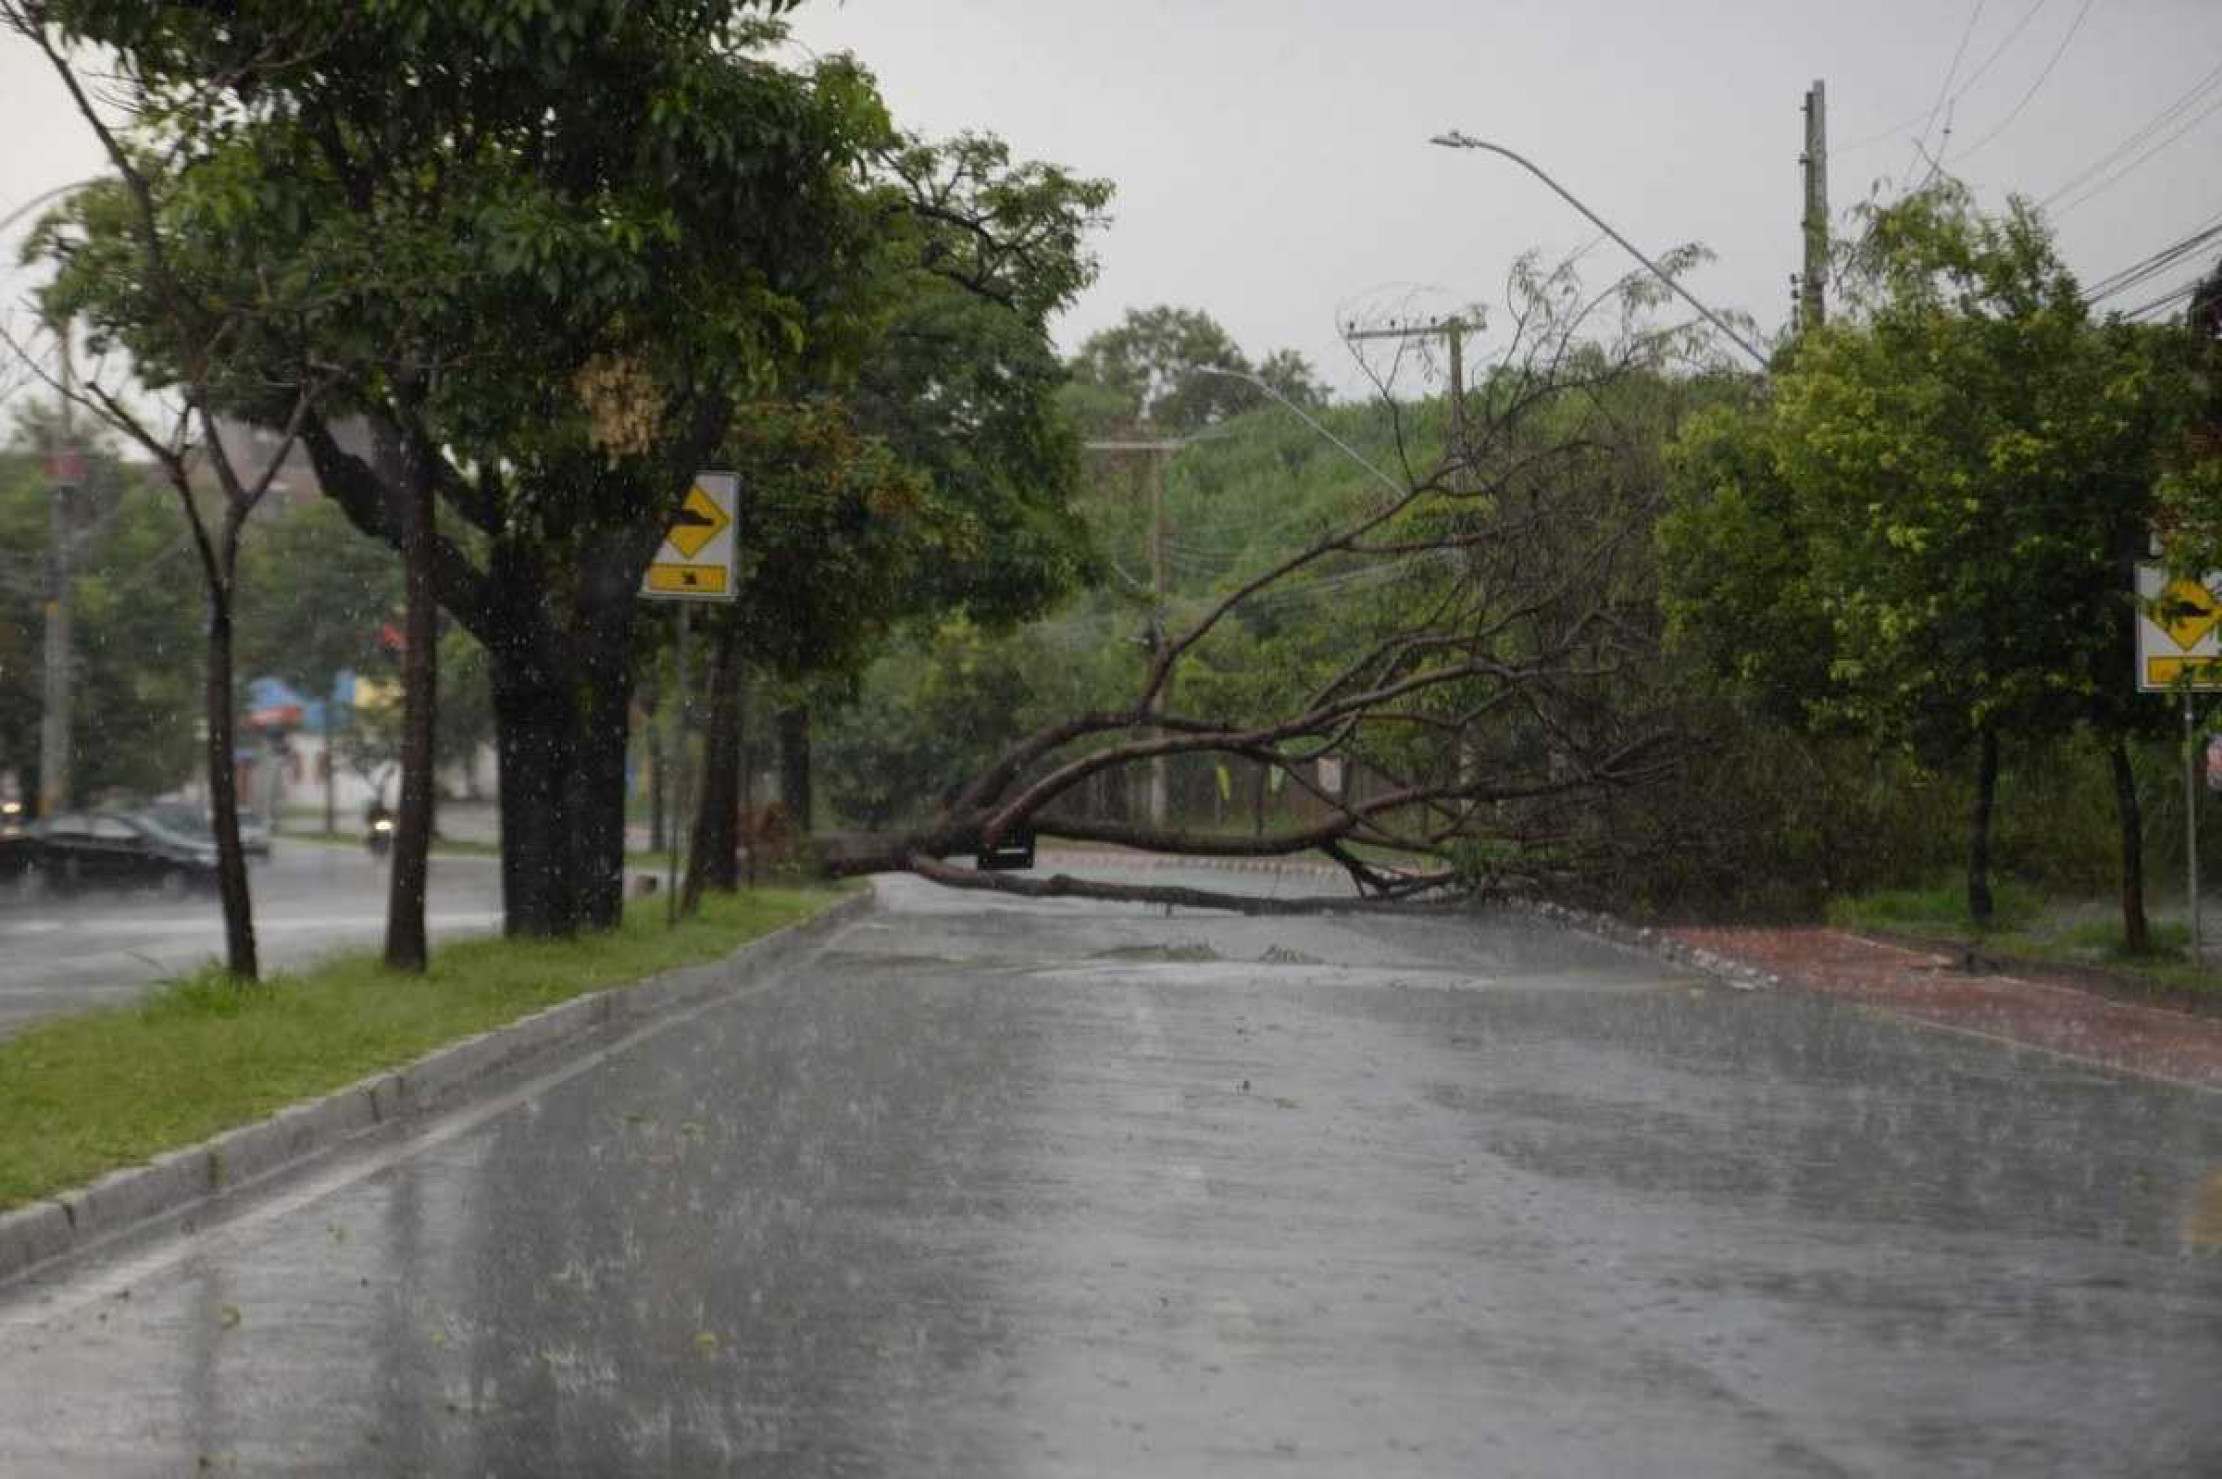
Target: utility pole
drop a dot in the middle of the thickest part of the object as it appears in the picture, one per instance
(1816, 163)
(1160, 452)
(1452, 331)
(65, 474)
(1160, 587)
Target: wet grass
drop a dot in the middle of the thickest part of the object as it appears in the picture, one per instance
(2077, 933)
(1940, 910)
(85, 1094)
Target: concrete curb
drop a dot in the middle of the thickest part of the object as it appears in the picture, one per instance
(74, 1219)
(1650, 941)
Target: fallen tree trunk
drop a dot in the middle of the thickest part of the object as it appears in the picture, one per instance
(1066, 886)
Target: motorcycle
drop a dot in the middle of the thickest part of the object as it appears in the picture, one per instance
(380, 837)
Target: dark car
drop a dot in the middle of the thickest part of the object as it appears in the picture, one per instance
(16, 844)
(119, 850)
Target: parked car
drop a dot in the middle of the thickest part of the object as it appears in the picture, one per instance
(195, 821)
(16, 843)
(120, 850)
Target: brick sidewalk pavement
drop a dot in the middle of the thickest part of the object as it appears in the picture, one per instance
(1931, 988)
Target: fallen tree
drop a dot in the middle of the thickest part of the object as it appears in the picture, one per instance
(1491, 651)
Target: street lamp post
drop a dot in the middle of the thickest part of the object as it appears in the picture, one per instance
(1457, 140)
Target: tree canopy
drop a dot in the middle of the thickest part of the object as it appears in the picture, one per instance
(1143, 371)
(544, 257)
(1922, 532)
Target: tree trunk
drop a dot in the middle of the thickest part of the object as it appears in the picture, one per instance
(558, 637)
(653, 751)
(562, 712)
(223, 793)
(603, 703)
(1979, 905)
(748, 785)
(406, 948)
(794, 766)
(534, 743)
(2136, 937)
(714, 857)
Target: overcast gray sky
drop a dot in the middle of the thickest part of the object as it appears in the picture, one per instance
(1272, 161)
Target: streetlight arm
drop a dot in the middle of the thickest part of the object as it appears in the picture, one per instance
(1457, 140)
(1309, 420)
(44, 196)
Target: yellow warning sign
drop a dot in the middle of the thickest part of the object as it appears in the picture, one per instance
(2199, 672)
(2186, 611)
(700, 521)
(698, 560)
(687, 580)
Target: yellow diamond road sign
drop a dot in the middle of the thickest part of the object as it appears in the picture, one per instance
(2179, 630)
(2187, 611)
(700, 521)
(696, 560)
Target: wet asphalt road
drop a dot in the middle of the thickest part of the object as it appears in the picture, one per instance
(991, 1189)
(61, 953)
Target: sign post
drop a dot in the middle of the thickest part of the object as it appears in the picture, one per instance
(2179, 650)
(697, 562)
(2191, 821)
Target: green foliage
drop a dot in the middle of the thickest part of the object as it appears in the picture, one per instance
(547, 253)
(961, 382)
(1923, 533)
(564, 200)
(928, 715)
(313, 593)
(1939, 909)
(86, 1094)
(1143, 372)
(135, 619)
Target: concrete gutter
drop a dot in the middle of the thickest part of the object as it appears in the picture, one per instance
(73, 1220)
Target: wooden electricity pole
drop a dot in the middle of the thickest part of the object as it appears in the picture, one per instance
(1815, 159)
(65, 478)
(1452, 331)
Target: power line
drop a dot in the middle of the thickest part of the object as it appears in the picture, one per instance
(2168, 300)
(1967, 34)
(2128, 169)
(2167, 115)
(2012, 35)
(1868, 141)
(2057, 52)
(2134, 165)
(1999, 50)
(2147, 268)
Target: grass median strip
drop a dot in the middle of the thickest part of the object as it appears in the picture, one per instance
(86, 1094)
(2084, 934)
